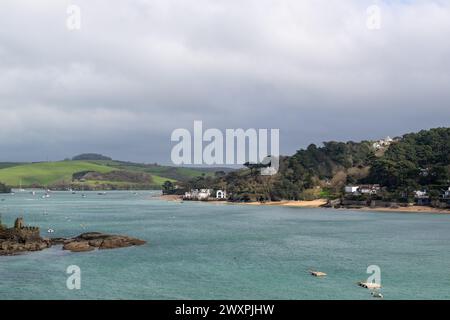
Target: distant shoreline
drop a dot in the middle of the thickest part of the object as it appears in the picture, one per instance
(319, 203)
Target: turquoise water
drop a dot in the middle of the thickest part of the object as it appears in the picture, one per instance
(220, 251)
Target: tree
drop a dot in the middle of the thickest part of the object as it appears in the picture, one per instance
(168, 187)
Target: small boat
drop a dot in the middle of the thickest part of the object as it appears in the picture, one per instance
(377, 294)
(369, 285)
(83, 196)
(317, 273)
(20, 188)
(102, 193)
(50, 231)
(33, 193)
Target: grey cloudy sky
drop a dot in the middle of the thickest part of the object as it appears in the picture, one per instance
(139, 69)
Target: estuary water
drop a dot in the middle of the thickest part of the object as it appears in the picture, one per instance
(223, 251)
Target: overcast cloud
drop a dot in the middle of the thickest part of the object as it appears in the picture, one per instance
(139, 69)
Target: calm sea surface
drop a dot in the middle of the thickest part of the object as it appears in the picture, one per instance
(220, 251)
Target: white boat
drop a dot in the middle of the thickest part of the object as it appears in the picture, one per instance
(377, 294)
(20, 188)
(50, 230)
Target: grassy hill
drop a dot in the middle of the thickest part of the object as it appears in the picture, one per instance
(171, 173)
(47, 173)
(8, 164)
(50, 174)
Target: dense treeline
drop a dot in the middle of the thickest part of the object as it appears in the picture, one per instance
(416, 160)
(90, 157)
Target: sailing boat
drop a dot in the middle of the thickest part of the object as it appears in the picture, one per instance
(20, 188)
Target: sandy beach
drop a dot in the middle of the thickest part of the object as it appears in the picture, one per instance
(170, 197)
(321, 202)
(291, 203)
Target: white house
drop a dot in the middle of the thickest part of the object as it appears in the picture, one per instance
(195, 194)
(420, 194)
(363, 189)
(220, 194)
(383, 143)
(446, 194)
(204, 194)
(351, 189)
(369, 188)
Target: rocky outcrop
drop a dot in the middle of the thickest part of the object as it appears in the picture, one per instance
(9, 247)
(96, 240)
(20, 239)
(80, 246)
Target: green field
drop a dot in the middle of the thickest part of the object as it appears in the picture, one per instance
(168, 172)
(45, 174)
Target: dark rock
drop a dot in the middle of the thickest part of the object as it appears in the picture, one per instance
(78, 246)
(91, 240)
(26, 239)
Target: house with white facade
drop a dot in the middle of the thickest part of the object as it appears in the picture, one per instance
(383, 143)
(420, 194)
(198, 194)
(363, 189)
(421, 197)
(446, 194)
(351, 189)
(369, 188)
(221, 194)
